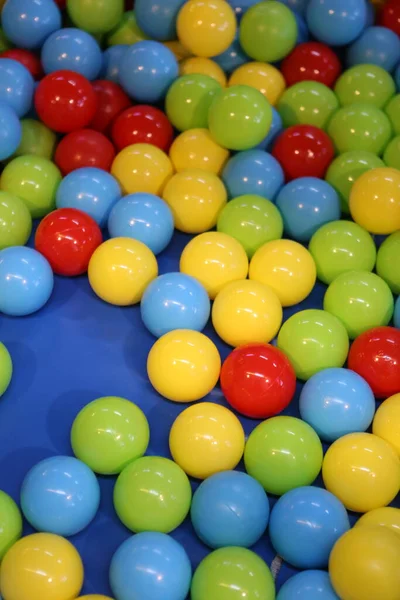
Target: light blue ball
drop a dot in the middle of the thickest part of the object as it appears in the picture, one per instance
(304, 525)
(274, 131)
(147, 70)
(91, 190)
(397, 313)
(308, 585)
(150, 565)
(241, 6)
(306, 204)
(10, 131)
(74, 50)
(143, 217)
(303, 35)
(336, 22)
(16, 86)
(230, 509)
(297, 6)
(111, 62)
(157, 18)
(28, 23)
(60, 495)
(253, 172)
(26, 281)
(377, 46)
(397, 77)
(233, 57)
(336, 402)
(175, 301)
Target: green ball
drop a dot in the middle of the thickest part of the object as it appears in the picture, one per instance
(361, 300)
(307, 103)
(251, 220)
(96, 16)
(34, 179)
(152, 494)
(360, 127)
(10, 523)
(339, 247)
(365, 84)
(6, 368)
(231, 573)
(283, 453)
(239, 117)
(268, 31)
(188, 101)
(127, 31)
(313, 340)
(392, 110)
(15, 221)
(388, 262)
(109, 433)
(391, 156)
(36, 139)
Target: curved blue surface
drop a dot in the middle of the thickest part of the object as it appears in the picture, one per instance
(16, 86)
(27, 24)
(10, 131)
(73, 50)
(253, 172)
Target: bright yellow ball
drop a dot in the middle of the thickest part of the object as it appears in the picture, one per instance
(183, 365)
(375, 200)
(206, 27)
(178, 50)
(385, 517)
(266, 78)
(205, 439)
(142, 168)
(196, 149)
(42, 566)
(204, 66)
(214, 259)
(121, 269)
(386, 424)
(363, 471)
(246, 312)
(287, 267)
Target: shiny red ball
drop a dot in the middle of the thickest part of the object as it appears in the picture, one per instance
(390, 16)
(311, 61)
(111, 101)
(304, 151)
(26, 58)
(375, 355)
(258, 380)
(65, 101)
(84, 148)
(67, 237)
(142, 124)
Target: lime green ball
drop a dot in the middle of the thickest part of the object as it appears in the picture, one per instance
(388, 262)
(251, 220)
(391, 156)
(313, 340)
(188, 101)
(283, 453)
(360, 127)
(152, 494)
(361, 300)
(239, 117)
(231, 573)
(339, 247)
(268, 31)
(6, 368)
(15, 221)
(36, 139)
(34, 179)
(307, 103)
(96, 16)
(10, 523)
(392, 109)
(127, 31)
(365, 84)
(109, 433)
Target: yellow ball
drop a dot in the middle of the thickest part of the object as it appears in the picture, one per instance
(214, 259)
(204, 66)
(287, 267)
(206, 27)
(179, 51)
(42, 566)
(266, 78)
(386, 424)
(121, 269)
(375, 200)
(196, 149)
(364, 564)
(363, 471)
(142, 168)
(183, 365)
(205, 439)
(246, 312)
(385, 517)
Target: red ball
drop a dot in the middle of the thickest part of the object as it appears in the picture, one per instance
(304, 151)
(65, 101)
(142, 125)
(61, 3)
(311, 61)
(111, 101)
(258, 380)
(375, 355)
(84, 148)
(26, 58)
(67, 238)
(390, 15)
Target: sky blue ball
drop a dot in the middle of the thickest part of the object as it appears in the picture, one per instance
(308, 585)
(253, 172)
(336, 22)
(10, 131)
(377, 46)
(233, 57)
(143, 217)
(175, 301)
(91, 190)
(147, 70)
(298, 6)
(16, 86)
(150, 565)
(111, 62)
(230, 509)
(336, 402)
(74, 50)
(274, 131)
(397, 313)
(26, 281)
(157, 18)
(304, 525)
(306, 204)
(27, 23)
(60, 495)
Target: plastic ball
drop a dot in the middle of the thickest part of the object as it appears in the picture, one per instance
(274, 131)
(386, 421)
(376, 45)
(392, 110)
(397, 314)
(204, 66)
(36, 139)
(95, 16)
(253, 172)
(265, 78)
(158, 17)
(84, 148)
(308, 585)
(111, 101)
(6, 369)
(391, 154)
(16, 86)
(388, 262)
(232, 58)
(127, 31)
(10, 131)
(142, 168)
(72, 50)
(11, 523)
(307, 103)
(111, 63)
(336, 22)
(360, 127)
(384, 517)
(389, 16)
(205, 439)
(28, 24)
(27, 58)
(188, 101)
(196, 149)
(142, 124)
(365, 84)
(311, 61)
(15, 221)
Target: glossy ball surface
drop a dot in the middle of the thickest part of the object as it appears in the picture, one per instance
(386, 421)
(265, 78)
(365, 84)
(311, 61)
(96, 16)
(388, 262)
(29, 59)
(142, 168)
(196, 149)
(28, 25)
(158, 18)
(36, 139)
(10, 522)
(10, 131)
(16, 86)
(205, 66)
(307, 103)
(360, 127)
(376, 45)
(111, 101)
(390, 16)
(72, 49)
(253, 172)
(84, 148)
(188, 101)
(15, 221)
(336, 22)
(142, 124)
